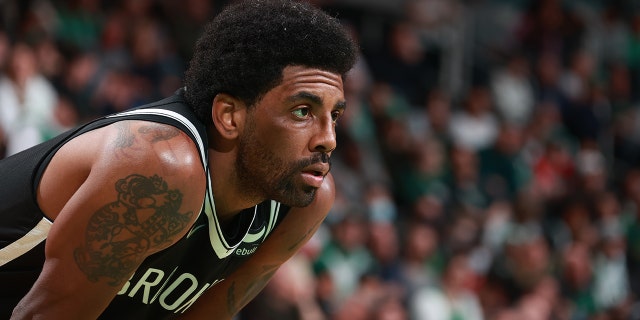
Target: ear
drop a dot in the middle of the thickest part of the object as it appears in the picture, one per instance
(228, 114)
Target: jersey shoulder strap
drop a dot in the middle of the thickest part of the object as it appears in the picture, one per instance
(172, 111)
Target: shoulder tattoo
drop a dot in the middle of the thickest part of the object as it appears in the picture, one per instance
(125, 138)
(152, 132)
(119, 235)
(156, 132)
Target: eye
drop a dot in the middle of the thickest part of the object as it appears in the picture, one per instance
(335, 115)
(301, 113)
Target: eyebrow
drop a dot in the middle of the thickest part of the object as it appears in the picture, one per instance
(315, 99)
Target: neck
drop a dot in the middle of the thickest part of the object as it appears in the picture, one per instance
(229, 195)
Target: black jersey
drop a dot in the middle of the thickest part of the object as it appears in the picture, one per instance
(168, 282)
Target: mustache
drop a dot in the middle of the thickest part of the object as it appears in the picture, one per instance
(320, 157)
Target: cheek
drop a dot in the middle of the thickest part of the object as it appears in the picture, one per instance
(284, 138)
(286, 143)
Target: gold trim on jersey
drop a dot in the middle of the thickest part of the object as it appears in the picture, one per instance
(27, 242)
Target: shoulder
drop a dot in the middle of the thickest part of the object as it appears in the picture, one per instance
(151, 149)
(102, 157)
(147, 146)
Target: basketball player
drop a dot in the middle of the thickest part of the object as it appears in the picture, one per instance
(184, 207)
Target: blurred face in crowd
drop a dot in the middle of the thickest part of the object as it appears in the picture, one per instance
(509, 139)
(350, 233)
(22, 64)
(383, 241)
(577, 266)
(458, 274)
(549, 69)
(479, 101)
(421, 242)
(438, 110)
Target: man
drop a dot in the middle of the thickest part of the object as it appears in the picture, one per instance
(185, 207)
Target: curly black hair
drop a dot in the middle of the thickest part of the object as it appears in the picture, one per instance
(244, 50)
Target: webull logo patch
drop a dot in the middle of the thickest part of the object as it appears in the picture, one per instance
(245, 252)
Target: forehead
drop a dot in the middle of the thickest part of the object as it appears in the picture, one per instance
(297, 79)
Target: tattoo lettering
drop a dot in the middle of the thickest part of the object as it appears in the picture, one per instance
(126, 141)
(125, 138)
(251, 291)
(120, 234)
(159, 132)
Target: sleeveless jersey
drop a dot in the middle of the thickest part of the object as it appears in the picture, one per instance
(168, 282)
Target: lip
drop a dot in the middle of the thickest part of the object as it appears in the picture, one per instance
(314, 175)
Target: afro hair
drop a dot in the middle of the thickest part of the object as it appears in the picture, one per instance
(244, 50)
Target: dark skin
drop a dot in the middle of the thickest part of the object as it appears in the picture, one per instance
(134, 188)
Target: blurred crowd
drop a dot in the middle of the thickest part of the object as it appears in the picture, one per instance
(488, 163)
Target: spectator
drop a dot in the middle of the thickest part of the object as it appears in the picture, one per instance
(577, 280)
(403, 63)
(345, 258)
(550, 26)
(504, 173)
(27, 101)
(453, 299)
(79, 23)
(463, 180)
(475, 126)
(422, 259)
(423, 173)
(526, 261)
(384, 246)
(611, 278)
(512, 90)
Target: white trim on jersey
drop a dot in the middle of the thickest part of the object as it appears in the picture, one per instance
(27, 242)
(253, 237)
(273, 215)
(173, 115)
(264, 232)
(219, 244)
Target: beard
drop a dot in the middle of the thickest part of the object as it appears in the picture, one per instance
(264, 175)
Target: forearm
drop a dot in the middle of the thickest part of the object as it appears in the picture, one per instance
(242, 291)
(228, 297)
(41, 303)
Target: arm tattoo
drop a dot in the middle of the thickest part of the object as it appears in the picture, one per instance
(251, 291)
(305, 236)
(118, 235)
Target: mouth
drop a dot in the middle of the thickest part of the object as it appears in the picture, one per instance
(317, 169)
(314, 175)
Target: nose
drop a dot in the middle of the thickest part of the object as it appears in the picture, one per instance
(324, 139)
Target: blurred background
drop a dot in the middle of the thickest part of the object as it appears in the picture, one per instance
(488, 164)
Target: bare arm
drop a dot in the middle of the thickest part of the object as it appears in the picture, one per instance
(226, 298)
(128, 194)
